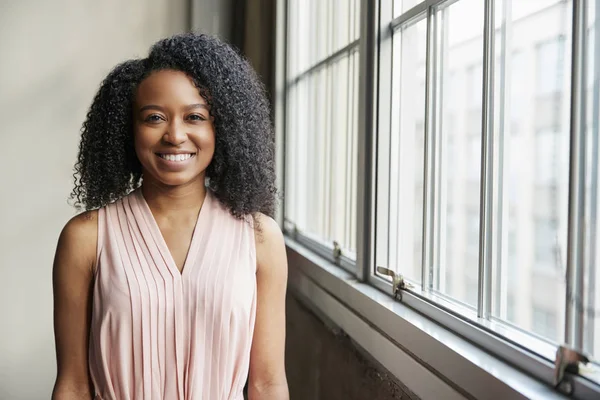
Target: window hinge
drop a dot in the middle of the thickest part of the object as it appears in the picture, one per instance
(567, 360)
(398, 282)
(337, 252)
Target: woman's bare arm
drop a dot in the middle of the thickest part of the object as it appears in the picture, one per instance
(267, 379)
(72, 278)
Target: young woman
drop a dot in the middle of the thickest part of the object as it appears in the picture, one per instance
(171, 284)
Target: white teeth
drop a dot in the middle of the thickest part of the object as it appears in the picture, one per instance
(175, 157)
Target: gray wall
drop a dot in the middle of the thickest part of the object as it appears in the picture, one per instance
(324, 364)
(213, 16)
(53, 55)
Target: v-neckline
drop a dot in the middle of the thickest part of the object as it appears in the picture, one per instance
(162, 243)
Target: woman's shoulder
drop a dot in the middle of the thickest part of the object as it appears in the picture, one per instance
(266, 228)
(78, 239)
(82, 224)
(270, 243)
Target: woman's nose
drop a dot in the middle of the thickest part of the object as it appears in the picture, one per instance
(175, 134)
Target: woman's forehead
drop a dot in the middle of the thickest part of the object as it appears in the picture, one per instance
(169, 86)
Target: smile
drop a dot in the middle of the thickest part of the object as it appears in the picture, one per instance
(176, 157)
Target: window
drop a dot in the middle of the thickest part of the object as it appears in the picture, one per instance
(322, 100)
(470, 196)
(401, 156)
(457, 162)
(531, 123)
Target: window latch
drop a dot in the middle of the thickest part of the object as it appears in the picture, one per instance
(567, 360)
(398, 282)
(337, 252)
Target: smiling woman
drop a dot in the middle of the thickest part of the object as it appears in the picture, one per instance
(174, 132)
(241, 172)
(171, 284)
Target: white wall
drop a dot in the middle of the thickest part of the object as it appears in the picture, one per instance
(53, 55)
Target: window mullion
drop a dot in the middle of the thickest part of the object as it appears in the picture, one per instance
(487, 159)
(428, 170)
(593, 196)
(574, 313)
(366, 108)
(347, 130)
(501, 226)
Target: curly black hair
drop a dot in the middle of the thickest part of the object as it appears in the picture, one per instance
(242, 171)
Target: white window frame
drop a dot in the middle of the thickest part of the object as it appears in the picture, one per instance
(420, 323)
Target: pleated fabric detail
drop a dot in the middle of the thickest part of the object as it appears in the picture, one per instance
(157, 333)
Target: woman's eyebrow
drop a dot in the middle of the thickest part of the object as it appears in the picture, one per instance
(199, 105)
(159, 108)
(151, 107)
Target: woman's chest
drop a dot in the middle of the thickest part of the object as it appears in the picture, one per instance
(220, 281)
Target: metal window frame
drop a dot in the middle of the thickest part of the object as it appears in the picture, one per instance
(367, 106)
(593, 200)
(484, 293)
(477, 328)
(574, 313)
(362, 265)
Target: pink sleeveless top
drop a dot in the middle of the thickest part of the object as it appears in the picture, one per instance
(160, 334)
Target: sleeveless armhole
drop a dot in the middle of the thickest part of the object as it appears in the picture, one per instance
(253, 249)
(252, 226)
(100, 240)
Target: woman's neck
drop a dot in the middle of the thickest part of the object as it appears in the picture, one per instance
(164, 199)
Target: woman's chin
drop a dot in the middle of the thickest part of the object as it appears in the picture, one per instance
(177, 179)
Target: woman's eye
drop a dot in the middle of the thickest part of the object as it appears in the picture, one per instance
(153, 118)
(196, 117)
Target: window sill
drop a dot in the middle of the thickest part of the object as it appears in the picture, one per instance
(428, 359)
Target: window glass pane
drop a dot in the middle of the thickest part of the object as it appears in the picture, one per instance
(321, 131)
(401, 6)
(404, 161)
(320, 10)
(299, 37)
(517, 85)
(549, 80)
(523, 9)
(460, 60)
(356, 14)
(546, 248)
(545, 322)
(340, 20)
(532, 124)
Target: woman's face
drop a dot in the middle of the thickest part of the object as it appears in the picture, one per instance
(174, 133)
